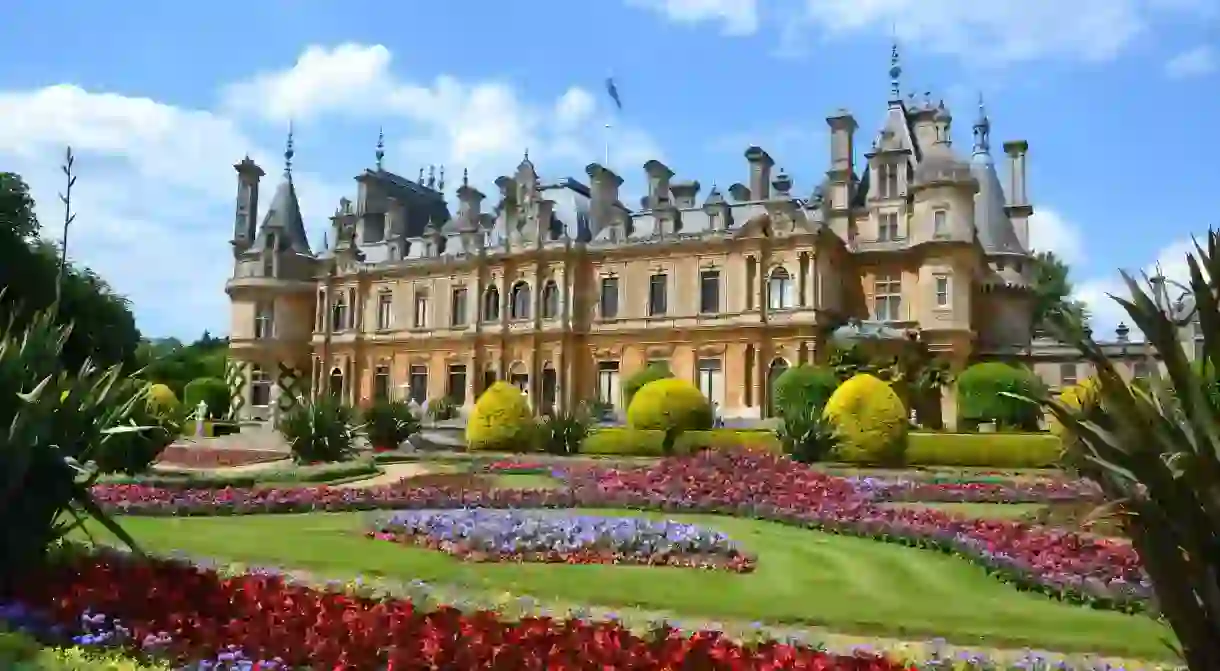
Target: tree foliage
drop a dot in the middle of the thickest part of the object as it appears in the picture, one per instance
(105, 330)
(169, 362)
(1053, 289)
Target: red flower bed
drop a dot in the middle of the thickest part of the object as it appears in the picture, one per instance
(267, 617)
(210, 457)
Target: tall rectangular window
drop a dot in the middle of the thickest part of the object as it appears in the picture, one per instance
(385, 310)
(711, 380)
(417, 384)
(260, 387)
(887, 229)
(607, 382)
(658, 299)
(264, 320)
(887, 180)
(1067, 374)
(381, 382)
(456, 388)
(608, 300)
(421, 308)
(457, 307)
(751, 281)
(940, 224)
(887, 297)
(709, 291)
(942, 291)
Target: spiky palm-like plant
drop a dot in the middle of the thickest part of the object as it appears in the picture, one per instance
(1155, 451)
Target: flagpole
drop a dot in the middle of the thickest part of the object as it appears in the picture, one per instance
(608, 127)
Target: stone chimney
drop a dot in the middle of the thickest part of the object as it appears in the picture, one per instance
(659, 175)
(603, 190)
(684, 193)
(1019, 210)
(760, 173)
(1122, 332)
(470, 200)
(739, 192)
(782, 185)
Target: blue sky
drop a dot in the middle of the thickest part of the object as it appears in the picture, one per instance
(1116, 98)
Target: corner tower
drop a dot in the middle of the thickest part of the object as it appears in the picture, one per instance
(271, 295)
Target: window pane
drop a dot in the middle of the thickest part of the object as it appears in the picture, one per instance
(709, 291)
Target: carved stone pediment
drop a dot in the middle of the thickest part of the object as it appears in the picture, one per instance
(711, 350)
(659, 352)
(606, 352)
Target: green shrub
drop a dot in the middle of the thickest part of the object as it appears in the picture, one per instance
(388, 423)
(163, 399)
(804, 386)
(669, 404)
(636, 381)
(210, 390)
(135, 451)
(304, 474)
(807, 436)
(501, 421)
(54, 421)
(563, 433)
(649, 443)
(20, 652)
(319, 431)
(983, 450)
(624, 442)
(871, 422)
(982, 396)
(441, 409)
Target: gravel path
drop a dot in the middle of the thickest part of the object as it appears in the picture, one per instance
(391, 473)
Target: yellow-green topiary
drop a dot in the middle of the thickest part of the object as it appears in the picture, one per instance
(669, 404)
(1083, 397)
(501, 421)
(163, 400)
(871, 421)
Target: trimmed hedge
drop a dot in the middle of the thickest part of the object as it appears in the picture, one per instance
(870, 421)
(212, 391)
(501, 421)
(982, 396)
(329, 473)
(989, 450)
(648, 443)
(670, 404)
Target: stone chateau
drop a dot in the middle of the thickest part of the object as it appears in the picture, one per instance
(562, 289)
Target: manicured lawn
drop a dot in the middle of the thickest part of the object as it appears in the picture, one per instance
(995, 511)
(844, 584)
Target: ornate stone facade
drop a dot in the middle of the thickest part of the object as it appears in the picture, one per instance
(562, 289)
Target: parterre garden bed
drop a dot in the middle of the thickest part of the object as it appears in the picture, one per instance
(812, 589)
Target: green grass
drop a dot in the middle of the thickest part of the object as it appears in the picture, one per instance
(525, 481)
(995, 511)
(844, 584)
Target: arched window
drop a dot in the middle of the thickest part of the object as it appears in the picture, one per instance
(550, 300)
(491, 304)
(336, 382)
(779, 290)
(519, 307)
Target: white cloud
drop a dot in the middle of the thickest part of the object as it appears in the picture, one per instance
(484, 126)
(155, 192)
(990, 33)
(1050, 232)
(1169, 261)
(735, 17)
(1196, 62)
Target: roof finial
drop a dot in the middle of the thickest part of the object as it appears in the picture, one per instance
(440, 183)
(465, 177)
(289, 152)
(982, 129)
(420, 179)
(895, 68)
(527, 155)
(432, 177)
(380, 153)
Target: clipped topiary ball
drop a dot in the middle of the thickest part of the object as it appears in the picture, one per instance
(802, 387)
(501, 421)
(669, 404)
(162, 399)
(871, 422)
(982, 396)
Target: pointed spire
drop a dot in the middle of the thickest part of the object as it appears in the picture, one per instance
(380, 153)
(440, 183)
(289, 152)
(895, 70)
(465, 177)
(982, 130)
(432, 177)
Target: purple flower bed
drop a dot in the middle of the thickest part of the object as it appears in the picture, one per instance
(481, 534)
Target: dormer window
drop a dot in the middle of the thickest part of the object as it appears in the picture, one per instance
(887, 229)
(269, 257)
(779, 290)
(887, 180)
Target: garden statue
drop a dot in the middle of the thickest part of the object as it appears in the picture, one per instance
(415, 408)
(201, 413)
(274, 401)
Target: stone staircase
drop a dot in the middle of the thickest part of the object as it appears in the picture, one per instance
(253, 436)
